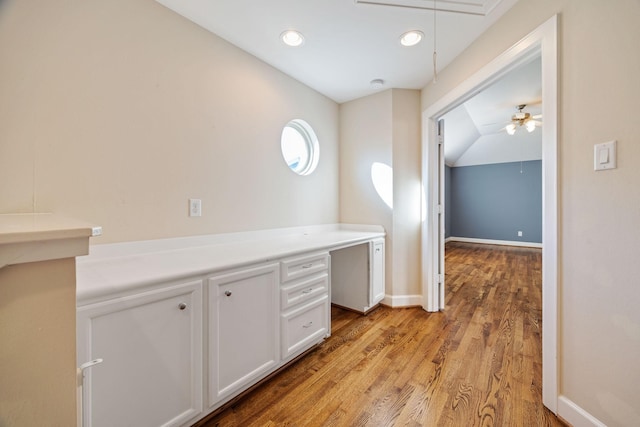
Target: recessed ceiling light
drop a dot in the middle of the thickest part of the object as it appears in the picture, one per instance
(292, 38)
(411, 38)
(377, 83)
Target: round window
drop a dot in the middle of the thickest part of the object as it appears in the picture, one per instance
(299, 146)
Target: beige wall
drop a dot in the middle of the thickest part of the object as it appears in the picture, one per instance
(406, 194)
(599, 214)
(385, 128)
(366, 138)
(38, 344)
(117, 112)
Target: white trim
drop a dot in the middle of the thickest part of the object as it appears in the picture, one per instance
(495, 242)
(396, 301)
(540, 42)
(575, 415)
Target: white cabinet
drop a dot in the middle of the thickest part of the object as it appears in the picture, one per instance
(243, 328)
(304, 290)
(357, 276)
(177, 350)
(305, 326)
(306, 312)
(303, 266)
(376, 271)
(151, 344)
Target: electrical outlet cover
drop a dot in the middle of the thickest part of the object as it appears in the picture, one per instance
(195, 207)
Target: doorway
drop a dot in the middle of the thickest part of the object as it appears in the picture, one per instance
(541, 42)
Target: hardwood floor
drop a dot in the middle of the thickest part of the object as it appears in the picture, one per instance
(478, 363)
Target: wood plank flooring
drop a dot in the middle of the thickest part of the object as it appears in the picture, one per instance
(478, 363)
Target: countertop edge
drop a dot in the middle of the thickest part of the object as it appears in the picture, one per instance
(31, 237)
(102, 278)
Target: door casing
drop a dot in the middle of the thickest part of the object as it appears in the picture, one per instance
(542, 42)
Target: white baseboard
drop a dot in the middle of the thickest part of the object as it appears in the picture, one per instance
(396, 301)
(494, 242)
(575, 415)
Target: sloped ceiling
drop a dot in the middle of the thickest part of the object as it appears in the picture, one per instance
(474, 131)
(347, 43)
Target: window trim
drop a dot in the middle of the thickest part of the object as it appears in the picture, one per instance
(311, 140)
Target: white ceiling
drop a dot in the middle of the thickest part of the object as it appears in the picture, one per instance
(474, 131)
(347, 44)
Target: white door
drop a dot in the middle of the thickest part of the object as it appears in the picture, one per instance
(441, 207)
(433, 218)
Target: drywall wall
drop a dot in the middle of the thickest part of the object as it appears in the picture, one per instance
(38, 350)
(366, 138)
(496, 201)
(117, 112)
(599, 335)
(407, 167)
(385, 128)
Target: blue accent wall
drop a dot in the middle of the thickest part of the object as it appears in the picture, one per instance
(447, 201)
(495, 201)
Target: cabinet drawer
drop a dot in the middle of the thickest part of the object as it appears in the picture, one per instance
(304, 326)
(304, 290)
(292, 268)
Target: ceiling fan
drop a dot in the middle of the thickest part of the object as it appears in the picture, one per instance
(522, 118)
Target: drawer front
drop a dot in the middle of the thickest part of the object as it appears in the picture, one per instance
(303, 290)
(305, 326)
(292, 268)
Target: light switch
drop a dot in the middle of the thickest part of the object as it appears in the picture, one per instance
(604, 156)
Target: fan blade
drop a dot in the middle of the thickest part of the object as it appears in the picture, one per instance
(537, 116)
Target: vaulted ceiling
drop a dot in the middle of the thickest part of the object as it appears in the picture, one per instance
(348, 43)
(475, 130)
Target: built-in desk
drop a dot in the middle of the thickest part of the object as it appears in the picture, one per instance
(119, 269)
(184, 325)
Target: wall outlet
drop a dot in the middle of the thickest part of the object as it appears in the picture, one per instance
(519, 233)
(195, 207)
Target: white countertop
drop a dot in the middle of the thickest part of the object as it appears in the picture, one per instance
(118, 269)
(33, 237)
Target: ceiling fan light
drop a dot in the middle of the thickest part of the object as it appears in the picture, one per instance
(531, 126)
(511, 129)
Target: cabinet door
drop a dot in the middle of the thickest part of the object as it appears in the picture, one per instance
(151, 344)
(305, 326)
(243, 329)
(377, 271)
